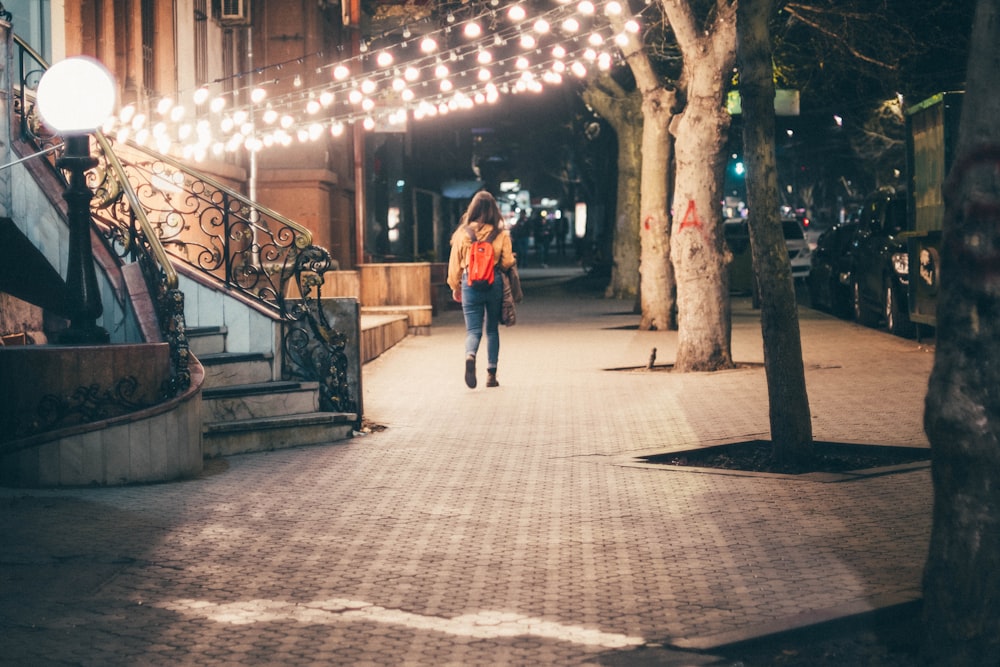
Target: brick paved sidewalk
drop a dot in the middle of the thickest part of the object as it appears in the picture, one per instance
(493, 526)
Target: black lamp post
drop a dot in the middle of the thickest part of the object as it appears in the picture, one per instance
(75, 97)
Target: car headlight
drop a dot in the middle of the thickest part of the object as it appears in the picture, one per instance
(901, 264)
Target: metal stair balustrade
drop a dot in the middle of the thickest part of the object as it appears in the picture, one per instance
(149, 205)
(246, 248)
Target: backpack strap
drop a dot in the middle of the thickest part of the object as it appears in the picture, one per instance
(489, 239)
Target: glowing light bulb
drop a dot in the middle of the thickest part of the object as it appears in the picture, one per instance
(571, 25)
(326, 98)
(368, 86)
(287, 121)
(473, 30)
(369, 123)
(384, 59)
(368, 104)
(595, 39)
(579, 69)
(516, 13)
(484, 57)
(528, 42)
(337, 129)
(428, 45)
(613, 8)
(441, 71)
(632, 26)
(407, 95)
(200, 96)
(398, 85)
(270, 116)
(558, 51)
(313, 107)
(258, 95)
(522, 63)
(411, 74)
(355, 96)
(341, 72)
(484, 74)
(164, 105)
(240, 117)
(217, 105)
(586, 8)
(541, 26)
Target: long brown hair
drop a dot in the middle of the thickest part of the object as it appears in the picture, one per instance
(483, 209)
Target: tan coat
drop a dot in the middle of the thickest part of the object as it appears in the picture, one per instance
(503, 251)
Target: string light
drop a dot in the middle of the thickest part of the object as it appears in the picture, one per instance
(422, 86)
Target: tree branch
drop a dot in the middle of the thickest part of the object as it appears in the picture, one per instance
(797, 11)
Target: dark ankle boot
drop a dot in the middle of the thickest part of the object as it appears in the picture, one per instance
(491, 377)
(470, 372)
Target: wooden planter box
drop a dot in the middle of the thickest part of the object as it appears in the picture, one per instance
(398, 288)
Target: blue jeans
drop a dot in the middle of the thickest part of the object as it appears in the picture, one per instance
(478, 306)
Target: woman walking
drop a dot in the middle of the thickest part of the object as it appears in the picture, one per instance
(483, 222)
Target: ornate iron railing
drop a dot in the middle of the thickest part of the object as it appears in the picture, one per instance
(251, 250)
(151, 205)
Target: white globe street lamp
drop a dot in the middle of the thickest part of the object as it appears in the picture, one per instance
(74, 98)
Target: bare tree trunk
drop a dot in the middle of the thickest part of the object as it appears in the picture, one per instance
(962, 418)
(656, 282)
(623, 112)
(697, 246)
(791, 424)
(657, 275)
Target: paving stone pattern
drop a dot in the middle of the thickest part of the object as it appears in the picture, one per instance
(497, 525)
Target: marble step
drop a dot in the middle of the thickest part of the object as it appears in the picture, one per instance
(223, 438)
(206, 340)
(229, 368)
(265, 399)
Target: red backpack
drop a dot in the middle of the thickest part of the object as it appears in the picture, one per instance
(481, 260)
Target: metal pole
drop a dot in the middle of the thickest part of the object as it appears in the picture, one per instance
(81, 278)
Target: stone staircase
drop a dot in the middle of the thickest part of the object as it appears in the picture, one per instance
(245, 410)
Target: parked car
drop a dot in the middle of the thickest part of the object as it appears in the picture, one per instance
(741, 277)
(799, 253)
(880, 264)
(829, 278)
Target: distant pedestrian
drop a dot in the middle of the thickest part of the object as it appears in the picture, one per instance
(484, 219)
(542, 231)
(521, 235)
